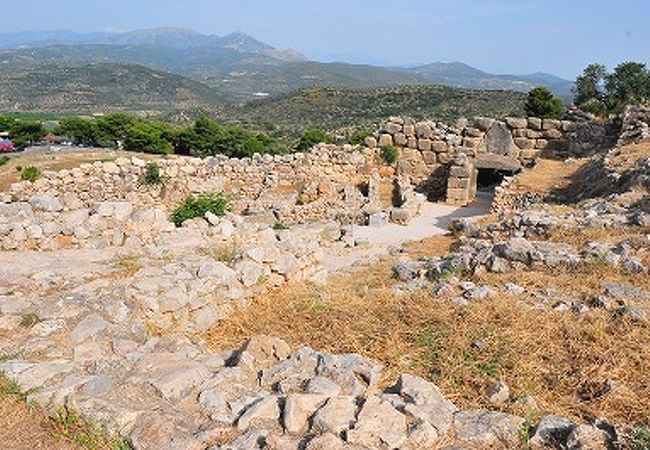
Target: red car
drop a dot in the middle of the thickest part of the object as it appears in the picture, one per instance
(6, 146)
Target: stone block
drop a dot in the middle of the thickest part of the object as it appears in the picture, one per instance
(516, 122)
(392, 128)
(424, 144)
(400, 139)
(429, 157)
(524, 143)
(439, 146)
(535, 123)
(385, 140)
(551, 124)
(412, 142)
(483, 123)
(422, 130)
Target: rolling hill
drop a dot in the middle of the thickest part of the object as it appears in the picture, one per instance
(333, 108)
(462, 75)
(240, 66)
(100, 88)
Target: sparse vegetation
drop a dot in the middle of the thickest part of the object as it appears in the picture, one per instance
(195, 207)
(24, 426)
(389, 154)
(419, 333)
(30, 173)
(3, 160)
(29, 320)
(151, 174)
(359, 137)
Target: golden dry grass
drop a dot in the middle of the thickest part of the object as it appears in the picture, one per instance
(548, 175)
(580, 236)
(563, 361)
(433, 246)
(626, 157)
(56, 161)
(25, 427)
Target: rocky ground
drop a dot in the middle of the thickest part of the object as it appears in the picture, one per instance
(132, 338)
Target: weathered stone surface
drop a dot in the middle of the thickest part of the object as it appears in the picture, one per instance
(338, 414)
(298, 409)
(378, 425)
(487, 429)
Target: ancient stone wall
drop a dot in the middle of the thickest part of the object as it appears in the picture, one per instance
(428, 147)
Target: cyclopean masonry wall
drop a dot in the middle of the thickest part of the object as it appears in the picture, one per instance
(428, 148)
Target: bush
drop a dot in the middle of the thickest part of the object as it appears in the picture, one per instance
(359, 137)
(542, 103)
(311, 138)
(195, 207)
(30, 173)
(151, 174)
(389, 154)
(4, 160)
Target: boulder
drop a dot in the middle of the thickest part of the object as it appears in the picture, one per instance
(378, 425)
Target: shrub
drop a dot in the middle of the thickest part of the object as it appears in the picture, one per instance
(279, 226)
(389, 154)
(195, 207)
(30, 173)
(542, 103)
(4, 160)
(311, 138)
(359, 137)
(29, 320)
(151, 174)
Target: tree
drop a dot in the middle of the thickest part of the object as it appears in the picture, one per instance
(542, 103)
(24, 132)
(147, 137)
(80, 131)
(588, 91)
(207, 138)
(6, 122)
(114, 126)
(311, 138)
(628, 85)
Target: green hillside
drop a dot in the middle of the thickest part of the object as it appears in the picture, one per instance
(100, 88)
(332, 108)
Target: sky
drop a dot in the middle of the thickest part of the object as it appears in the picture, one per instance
(500, 36)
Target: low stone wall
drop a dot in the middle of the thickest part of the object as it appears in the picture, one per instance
(300, 187)
(635, 125)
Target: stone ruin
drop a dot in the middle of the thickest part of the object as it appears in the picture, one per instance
(92, 350)
(105, 204)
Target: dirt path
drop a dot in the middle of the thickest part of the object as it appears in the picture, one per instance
(433, 220)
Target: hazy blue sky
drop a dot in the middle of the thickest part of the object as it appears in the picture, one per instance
(507, 36)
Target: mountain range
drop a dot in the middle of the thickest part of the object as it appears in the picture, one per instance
(238, 66)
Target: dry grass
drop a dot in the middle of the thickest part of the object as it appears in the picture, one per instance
(548, 175)
(433, 246)
(25, 427)
(626, 157)
(563, 361)
(580, 236)
(56, 161)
